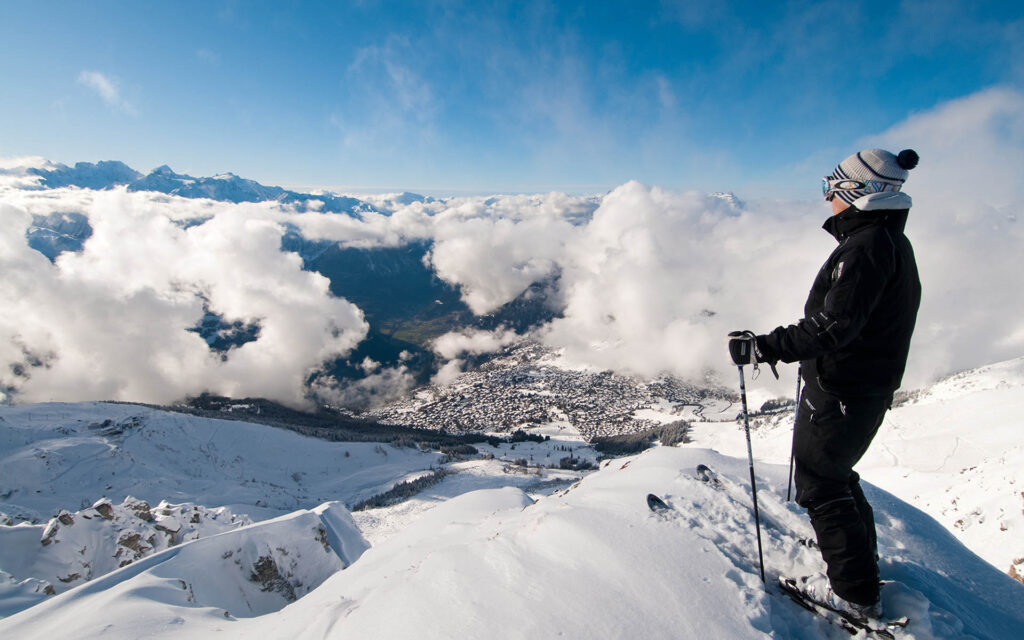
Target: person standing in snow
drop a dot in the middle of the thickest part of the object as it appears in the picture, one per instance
(852, 344)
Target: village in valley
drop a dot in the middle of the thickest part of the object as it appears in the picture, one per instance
(525, 387)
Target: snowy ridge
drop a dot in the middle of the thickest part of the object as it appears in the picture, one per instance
(37, 173)
(956, 452)
(73, 548)
(249, 572)
(590, 561)
(66, 456)
(54, 457)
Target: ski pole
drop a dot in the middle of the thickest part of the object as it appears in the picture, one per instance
(792, 448)
(753, 482)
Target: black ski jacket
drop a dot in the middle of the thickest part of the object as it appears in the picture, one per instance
(859, 316)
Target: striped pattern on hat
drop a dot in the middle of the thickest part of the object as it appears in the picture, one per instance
(876, 165)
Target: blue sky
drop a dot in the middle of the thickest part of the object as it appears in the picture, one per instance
(479, 97)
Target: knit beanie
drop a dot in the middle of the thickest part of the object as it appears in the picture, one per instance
(875, 165)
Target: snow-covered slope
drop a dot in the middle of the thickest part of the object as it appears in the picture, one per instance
(56, 233)
(957, 452)
(954, 451)
(590, 561)
(244, 573)
(509, 561)
(37, 560)
(68, 473)
(66, 456)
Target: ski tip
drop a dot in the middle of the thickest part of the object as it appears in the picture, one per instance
(654, 502)
(705, 474)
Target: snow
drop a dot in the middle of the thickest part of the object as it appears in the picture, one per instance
(664, 412)
(588, 561)
(244, 573)
(498, 550)
(953, 451)
(472, 475)
(55, 456)
(96, 456)
(73, 548)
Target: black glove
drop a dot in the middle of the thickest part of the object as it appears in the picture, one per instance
(742, 347)
(744, 350)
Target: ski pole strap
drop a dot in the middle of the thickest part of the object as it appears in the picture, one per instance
(755, 354)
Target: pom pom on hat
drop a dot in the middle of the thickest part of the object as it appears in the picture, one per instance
(907, 159)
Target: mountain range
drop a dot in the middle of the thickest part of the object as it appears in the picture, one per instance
(225, 187)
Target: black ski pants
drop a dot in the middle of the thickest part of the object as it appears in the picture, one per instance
(831, 436)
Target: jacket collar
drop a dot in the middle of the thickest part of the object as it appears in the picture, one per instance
(884, 200)
(853, 220)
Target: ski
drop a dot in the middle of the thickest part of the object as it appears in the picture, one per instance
(704, 473)
(707, 476)
(851, 624)
(656, 504)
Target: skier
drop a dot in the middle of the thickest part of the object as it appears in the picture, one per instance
(852, 344)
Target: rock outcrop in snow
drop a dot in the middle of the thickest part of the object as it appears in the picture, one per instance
(72, 548)
(251, 571)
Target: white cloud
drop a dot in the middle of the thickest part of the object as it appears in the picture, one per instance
(378, 387)
(655, 279)
(107, 89)
(448, 373)
(112, 321)
(658, 278)
(495, 260)
(966, 226)
(473, 342)
(496, 248)
(652, 279)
